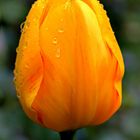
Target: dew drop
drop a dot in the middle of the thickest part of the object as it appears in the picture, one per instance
(35, 20)
(22, 26)
(58, 52)
(18, 95)
(27, 24)
(33, 5)
(15, 72)
(102, 6)
(14, 79)
(17, 49)
(55, 41)
(60, 30)
(67, 4)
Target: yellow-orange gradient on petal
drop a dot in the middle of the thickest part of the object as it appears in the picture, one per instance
(69, 67)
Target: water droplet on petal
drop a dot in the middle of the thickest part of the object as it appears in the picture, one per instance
(60, 30)
(33, 5)
(22, 26)
(15, 72)
(35, 20)
(67, 4)
(55, 41)
(58, 52)
(18, 95)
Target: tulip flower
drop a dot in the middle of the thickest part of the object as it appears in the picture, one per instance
(69, 67)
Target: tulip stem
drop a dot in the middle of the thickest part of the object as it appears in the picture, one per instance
(67, 135)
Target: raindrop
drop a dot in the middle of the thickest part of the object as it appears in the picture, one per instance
(58, 52)
(15, 73)
(102, 6)
(67, 4)
(33, 5)
(18, 95)
(22, 26)
(14, 79)
(60, 30)
(55, 41)
(17, 49)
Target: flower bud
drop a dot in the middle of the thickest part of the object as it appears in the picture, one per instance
(69, 67)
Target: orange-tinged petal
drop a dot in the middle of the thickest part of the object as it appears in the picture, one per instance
(107, 32)
(96, 60)
(58, 74)
(29, 68)
(69, 66)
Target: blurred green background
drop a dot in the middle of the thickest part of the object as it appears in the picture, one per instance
(125, 125)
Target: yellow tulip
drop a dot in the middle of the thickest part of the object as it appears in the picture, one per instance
(69, 67)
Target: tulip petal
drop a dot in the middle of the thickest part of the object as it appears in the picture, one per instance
(103, 61)
(53, 100)
(29, 67)
(107, 32)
